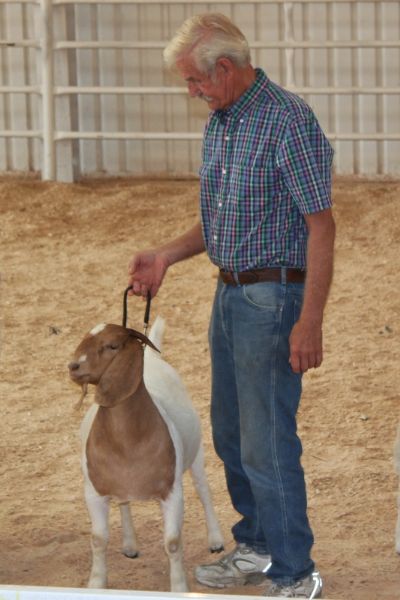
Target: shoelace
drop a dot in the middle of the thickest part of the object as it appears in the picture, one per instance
(225, 559)
(228, 557)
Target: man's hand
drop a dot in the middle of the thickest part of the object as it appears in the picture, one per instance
(147, 270)
(148, 267)
(305, 347)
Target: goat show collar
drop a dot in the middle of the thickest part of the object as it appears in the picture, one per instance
(146, 314)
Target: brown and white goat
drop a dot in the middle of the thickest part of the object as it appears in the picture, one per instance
(138, 438)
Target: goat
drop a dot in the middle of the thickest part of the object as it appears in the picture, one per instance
(397, 464)
(138, 438)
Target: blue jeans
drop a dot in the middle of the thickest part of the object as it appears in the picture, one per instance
(255, 397)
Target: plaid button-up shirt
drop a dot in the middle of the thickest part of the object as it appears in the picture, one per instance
(266, 163)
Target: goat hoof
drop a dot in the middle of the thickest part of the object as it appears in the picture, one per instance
(97, 583)
(130, 554)
(217, 550)
(180, 588)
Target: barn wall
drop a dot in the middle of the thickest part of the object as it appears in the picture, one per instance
(342, 56)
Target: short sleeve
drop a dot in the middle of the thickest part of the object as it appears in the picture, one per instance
(305, 161)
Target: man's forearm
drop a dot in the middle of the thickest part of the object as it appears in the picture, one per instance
(319, 266)
(187, 245)
(305, 340)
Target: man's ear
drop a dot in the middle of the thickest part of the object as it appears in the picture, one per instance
(123, 375)
(225, 65)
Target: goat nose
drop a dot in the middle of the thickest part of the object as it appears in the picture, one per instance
(73, 366)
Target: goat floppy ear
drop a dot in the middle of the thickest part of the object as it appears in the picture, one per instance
(123, 375)
(143, 338)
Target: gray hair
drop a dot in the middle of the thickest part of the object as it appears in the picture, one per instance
(208, 37)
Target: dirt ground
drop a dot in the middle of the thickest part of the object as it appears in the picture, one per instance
(64, 255)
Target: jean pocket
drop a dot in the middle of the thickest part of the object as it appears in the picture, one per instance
(264, 295)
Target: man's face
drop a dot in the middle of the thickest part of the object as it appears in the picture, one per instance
(215, 90)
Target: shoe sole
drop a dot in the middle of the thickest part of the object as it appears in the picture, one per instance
(250, 579)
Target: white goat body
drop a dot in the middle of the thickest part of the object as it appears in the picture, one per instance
(137, 441)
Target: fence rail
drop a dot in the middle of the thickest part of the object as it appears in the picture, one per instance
(49, 127)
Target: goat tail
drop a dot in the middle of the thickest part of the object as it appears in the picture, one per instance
(157, 332)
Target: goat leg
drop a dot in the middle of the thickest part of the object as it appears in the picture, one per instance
(197, 471)
(98, 507)
(173, 520)
(129, 540)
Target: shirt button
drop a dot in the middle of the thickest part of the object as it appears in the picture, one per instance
(227, 138)
(220, 204)
(215, 237)
(223, 171)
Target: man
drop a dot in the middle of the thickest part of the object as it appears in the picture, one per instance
(266, 223)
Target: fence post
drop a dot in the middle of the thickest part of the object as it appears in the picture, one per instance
(47, 83)
(289, 52)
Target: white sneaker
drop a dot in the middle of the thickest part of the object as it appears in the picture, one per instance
(239, 567)
(310, 587)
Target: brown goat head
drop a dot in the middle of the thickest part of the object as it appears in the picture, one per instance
(110, 357)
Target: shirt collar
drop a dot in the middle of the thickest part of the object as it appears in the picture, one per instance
(240, 106)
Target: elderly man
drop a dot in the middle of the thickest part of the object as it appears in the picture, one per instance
(266, 224)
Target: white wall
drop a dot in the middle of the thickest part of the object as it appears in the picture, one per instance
(364, 127)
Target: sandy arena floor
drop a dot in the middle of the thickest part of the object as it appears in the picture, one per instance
(64, 255)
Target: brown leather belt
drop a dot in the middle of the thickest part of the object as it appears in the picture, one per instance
(260, 275)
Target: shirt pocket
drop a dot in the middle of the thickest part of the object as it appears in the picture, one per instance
(251, 190)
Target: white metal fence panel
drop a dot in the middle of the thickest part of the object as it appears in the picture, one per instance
(83, 89)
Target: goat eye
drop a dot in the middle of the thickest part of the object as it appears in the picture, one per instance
(112, 347)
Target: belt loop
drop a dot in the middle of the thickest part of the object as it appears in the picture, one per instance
(283, 276)
(236, 277)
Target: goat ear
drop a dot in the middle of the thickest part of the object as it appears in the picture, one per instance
(123, 375)
(143, 338)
